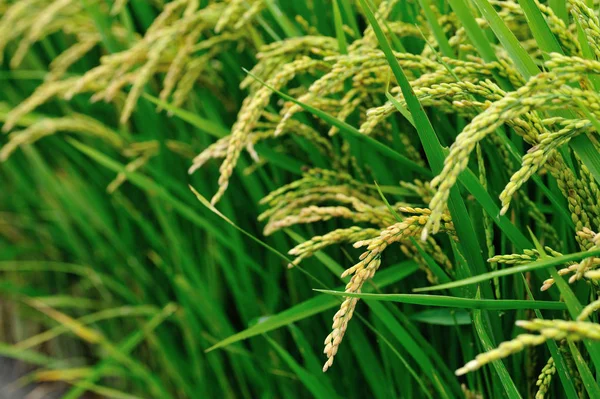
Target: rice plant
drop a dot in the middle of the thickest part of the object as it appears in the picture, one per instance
(324, 198)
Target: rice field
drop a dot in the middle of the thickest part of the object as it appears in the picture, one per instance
(290, 199)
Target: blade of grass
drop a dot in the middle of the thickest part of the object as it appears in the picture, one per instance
(208, 205)
(61, 267)
(539, 28)
(402, 359)
(436, 29)
(401, 108)
(590, 384)
(90, 335)
(522, 60)
(151, 186)
(453, 302)
(205, 125)
(559, 361)
(124, 311)
(443, 317)
(282, 19)
(339, 28)
(560, 9)
(587, 52)
(346, 7)
(537, 265)
(585, 148)
(487, 343)
(312, 382)
(404, 338)
(31, 357)
(132, 341)
(477, 37)
(313, 306)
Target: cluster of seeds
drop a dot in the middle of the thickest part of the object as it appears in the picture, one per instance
(547, 329)
(181, 45)
(369, 262)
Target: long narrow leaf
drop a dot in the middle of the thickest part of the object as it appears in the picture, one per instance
(537, 265)
(453, 302)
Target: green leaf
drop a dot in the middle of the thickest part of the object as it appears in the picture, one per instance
(537, 265)
(540, 29)
(453, 302)
(313, 306)
(589, 382)
(515, 50)
(586, 150)
(31, 357)
(474, 32)
(208, 205)
(436, 29)
(560, 9)
(339, 28)
(311, 381)
(562, 368)
(443, 317)
(404, 338)
(202, 124)
(487, 344)
(120, 352)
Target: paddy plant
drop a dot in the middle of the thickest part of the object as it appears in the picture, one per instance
(194, 189)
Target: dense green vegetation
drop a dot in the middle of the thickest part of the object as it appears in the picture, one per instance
(190, 190)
